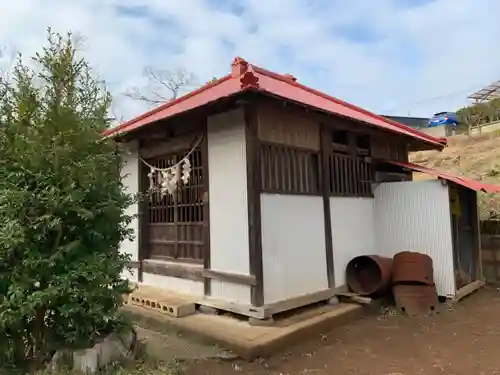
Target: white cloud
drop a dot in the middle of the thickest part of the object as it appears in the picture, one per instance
(393, 56)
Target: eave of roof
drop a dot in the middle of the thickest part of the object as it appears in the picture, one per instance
(460, 180)
(245, 76)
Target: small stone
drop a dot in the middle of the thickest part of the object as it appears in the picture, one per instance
(86, 361)
(60, 360)
(333, 301)
(208, 310)
(261, 322)
(114, 348)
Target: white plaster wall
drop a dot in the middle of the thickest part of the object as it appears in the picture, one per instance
(131, 275)
(415, 216)
(228, 203)
(352, 232)
(293, 246)
(130, 180)
(174, 284)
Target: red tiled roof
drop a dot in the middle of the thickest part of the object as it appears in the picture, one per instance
(245, 76)
(460, 180)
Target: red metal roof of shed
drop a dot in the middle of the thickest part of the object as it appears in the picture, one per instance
(460, 180)
(245, 76)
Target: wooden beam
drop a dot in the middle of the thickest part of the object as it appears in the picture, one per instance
(193, 272)
(254, 185)
(170, 269)
(230, 277)
(143, 213)
(325, 189)
(476, 225)
(467, 289)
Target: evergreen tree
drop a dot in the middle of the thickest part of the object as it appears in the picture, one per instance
(62, 207)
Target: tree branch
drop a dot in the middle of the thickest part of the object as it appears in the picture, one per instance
(163, 85)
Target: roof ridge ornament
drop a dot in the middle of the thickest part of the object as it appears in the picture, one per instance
(239, 67)
(291, 77)
(249, 79)
(245, 72)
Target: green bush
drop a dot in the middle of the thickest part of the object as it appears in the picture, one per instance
(62, 207)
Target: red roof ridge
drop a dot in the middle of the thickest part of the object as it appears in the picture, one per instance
(244, 76)
(171, 103)
(285, 78)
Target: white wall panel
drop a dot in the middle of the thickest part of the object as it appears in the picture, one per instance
(228, 203)
(352, 232)
(293, 246)
(174, 284)
(130, 180)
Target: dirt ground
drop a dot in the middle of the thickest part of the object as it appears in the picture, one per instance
(462, 340)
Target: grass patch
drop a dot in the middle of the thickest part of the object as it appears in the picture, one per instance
(142, 366)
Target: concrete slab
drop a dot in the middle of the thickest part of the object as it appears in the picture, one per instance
(243, 339)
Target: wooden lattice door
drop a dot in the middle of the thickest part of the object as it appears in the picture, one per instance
(175, 224)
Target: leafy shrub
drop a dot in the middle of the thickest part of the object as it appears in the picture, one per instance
(62, 207)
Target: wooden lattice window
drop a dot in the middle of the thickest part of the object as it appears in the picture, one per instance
(350, 176)
(289, 170)
(175, 224)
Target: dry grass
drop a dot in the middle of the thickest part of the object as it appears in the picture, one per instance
(477, 157)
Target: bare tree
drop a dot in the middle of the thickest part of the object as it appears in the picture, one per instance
(163, 85)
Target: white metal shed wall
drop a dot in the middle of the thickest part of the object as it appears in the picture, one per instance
(415, 216)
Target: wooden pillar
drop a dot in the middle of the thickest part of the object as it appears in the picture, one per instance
(254, 188)
(325, 177)
(143, 213)
(476, 227)
(206, 206)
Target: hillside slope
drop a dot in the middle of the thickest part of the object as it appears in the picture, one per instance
(477, 157)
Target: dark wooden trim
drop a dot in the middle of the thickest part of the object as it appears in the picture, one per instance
(453, 237)
(134, 264)
(285, 146)
(254, 188)
(175, 260)
(325, 187)
(206, 206)
(280, 192)
(181, 271)
(143, 211)
(192, 272)
(230, 277)
(477, 235)
(282, 169)
(345, 123)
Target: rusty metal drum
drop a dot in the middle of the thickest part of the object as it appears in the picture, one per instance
(412, 267)
(415, 299)
(369, 275)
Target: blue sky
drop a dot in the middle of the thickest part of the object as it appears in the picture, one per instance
(390, 56)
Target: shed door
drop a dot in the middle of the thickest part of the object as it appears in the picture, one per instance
(415, 216)
(463, 203)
